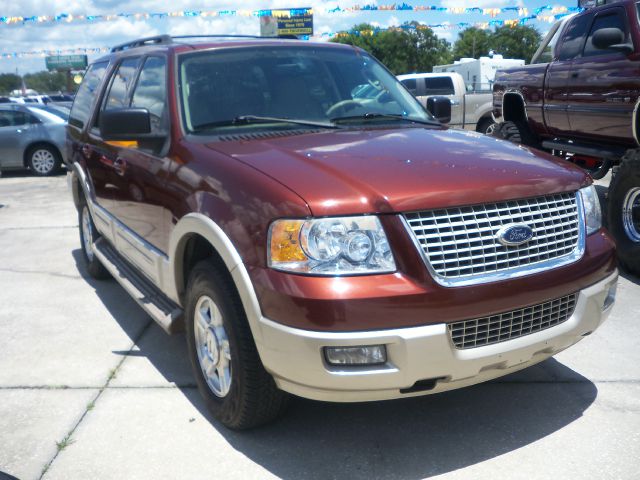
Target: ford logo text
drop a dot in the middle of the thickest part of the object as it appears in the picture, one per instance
(514, 234)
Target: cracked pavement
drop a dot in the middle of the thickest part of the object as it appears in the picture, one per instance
(90, 387)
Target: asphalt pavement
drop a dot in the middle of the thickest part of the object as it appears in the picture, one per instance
(91, 388)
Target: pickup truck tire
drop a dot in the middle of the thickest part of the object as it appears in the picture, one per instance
(623, 211)
(88, 236)
(230, 376)
(516, 132)
(486, 126)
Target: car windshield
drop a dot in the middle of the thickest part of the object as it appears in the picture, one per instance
(299, 83)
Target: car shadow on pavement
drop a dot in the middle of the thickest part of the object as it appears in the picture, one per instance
(407, 439)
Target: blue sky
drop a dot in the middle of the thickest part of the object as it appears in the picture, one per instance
(28, 37)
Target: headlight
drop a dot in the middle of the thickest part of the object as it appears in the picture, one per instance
(330, 246)
(592, 214)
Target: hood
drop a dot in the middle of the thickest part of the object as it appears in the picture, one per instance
(353, 171)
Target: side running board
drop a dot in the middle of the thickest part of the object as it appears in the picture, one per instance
(162, 309)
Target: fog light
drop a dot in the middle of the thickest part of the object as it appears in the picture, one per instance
(611, 296)
(364, 355)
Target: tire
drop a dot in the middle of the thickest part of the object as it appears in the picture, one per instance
(237, 389)
(623, 211)
(486, 126)
(516, 132)
(88, 236)
(43, 160)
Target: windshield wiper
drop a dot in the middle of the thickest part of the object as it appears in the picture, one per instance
(248, 119)
(377, 116)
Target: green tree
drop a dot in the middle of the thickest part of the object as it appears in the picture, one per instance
(411, 49)
(519, 41)
(472, 42)
(9, 82)
(44, 82)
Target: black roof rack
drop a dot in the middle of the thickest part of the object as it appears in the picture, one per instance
(157, 40)
(167, 39)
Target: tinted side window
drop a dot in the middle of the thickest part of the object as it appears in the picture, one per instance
(411, 85)
(82, 103)
(573, 39)
(13, 118)
(121, 84)
(439, 86)
(607, 20)
(151, 91)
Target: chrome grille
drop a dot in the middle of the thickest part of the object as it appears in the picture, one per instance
(461, 242)
(509, 325)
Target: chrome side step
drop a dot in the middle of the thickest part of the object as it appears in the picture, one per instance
(163, 310)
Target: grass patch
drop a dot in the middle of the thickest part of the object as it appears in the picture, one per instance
(64, 443)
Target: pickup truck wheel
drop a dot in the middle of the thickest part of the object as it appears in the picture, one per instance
(486, 126)
(516, 132)
(88, 236)
(623, 213)
(236, 388)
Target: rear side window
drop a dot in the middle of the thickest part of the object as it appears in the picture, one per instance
(121, 84)
(573, 39)
(13, 118)
(151, 91)
(614, 19)
(439, 86)
(82, 103)
(411, 85)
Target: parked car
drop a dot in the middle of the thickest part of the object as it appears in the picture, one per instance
(321, 243)
(579, 99)
(471, 111)
(31, 137)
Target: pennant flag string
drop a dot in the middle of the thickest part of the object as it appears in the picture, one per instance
(66, 18)
(404, 28)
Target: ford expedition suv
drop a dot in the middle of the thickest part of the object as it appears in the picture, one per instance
(315, 244)
(579, 98)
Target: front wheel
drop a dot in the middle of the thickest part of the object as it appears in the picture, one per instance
(516, 132)
(236, 388)
(88, 236)
(623, 215)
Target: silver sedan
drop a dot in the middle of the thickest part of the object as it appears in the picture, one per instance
(32, 138)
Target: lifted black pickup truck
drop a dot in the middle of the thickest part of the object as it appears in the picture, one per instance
(579, 99)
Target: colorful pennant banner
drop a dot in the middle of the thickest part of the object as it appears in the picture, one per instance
(375, 31)
(63, 18)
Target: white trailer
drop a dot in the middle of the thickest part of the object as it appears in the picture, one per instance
(478, 74)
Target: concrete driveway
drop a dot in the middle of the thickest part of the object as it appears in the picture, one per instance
(91, 388)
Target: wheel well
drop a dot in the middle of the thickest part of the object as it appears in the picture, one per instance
(25, 158)
(196, 249)
(513, 108)
(482, 119)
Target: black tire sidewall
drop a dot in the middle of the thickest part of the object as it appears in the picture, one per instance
(94, 267)
(628, 250)
(203, 282)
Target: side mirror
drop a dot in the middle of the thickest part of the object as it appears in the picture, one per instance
(125, 124)
(611, 38)
(440, 107)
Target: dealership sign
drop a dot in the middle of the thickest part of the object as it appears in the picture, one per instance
(297, 21)
(66, 62)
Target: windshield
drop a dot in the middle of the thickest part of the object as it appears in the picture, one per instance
(304, 83)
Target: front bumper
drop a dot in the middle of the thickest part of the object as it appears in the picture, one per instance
(417, 356)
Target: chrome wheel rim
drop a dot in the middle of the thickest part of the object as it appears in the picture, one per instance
(631, 214)
(491, 129)
(87, 233)
(43, 161)
(212, 346)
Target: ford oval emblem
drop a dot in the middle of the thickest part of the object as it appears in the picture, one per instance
(514, 234)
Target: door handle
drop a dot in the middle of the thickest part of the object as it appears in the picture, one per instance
(120, 166)
(86, 151)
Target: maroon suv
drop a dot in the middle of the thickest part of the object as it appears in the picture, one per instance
(315, 242)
